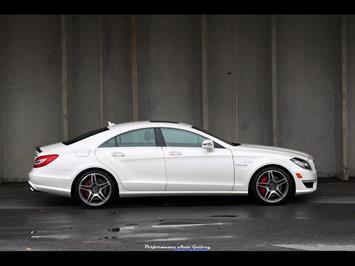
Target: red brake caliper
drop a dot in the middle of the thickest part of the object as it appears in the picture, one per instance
(86, 183)
(262, 189)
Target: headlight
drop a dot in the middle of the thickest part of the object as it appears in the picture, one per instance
(301, 163)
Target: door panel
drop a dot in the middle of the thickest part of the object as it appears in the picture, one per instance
(195, 169)
(192, 168)
(139, 168)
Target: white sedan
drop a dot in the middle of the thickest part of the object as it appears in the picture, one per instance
(156, 158)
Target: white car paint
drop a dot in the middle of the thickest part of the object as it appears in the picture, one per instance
(202, 170)
(138, 168)
(142, 171)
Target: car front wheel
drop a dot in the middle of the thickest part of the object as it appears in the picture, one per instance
(271, 185)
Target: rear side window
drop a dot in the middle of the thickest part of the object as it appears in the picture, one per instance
(85, 135)
(136, 138)
(110, 143)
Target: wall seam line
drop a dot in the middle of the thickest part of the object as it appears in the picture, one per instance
(4, 108)
(134, 67)
(344, 90)
(100, 74)
(274, 81)
(204, 49)
(236, 75)
(64, 54)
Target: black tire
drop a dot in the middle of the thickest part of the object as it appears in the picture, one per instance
(279, 188)
(109, 190)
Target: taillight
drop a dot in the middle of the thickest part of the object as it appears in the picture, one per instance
(44, 160)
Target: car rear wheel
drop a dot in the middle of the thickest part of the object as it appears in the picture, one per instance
(271, 185)
(95, 189)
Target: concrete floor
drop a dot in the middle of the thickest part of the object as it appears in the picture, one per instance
(37, 221)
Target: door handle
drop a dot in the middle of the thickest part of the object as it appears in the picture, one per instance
(117, 154)
(175, 153)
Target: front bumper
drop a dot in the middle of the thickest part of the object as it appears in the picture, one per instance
(308, 183)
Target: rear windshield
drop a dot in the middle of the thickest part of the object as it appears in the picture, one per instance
(85, 135)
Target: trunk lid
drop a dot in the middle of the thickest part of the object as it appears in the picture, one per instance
(48, 148)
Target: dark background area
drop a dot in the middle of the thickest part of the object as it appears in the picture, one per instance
(285, 80)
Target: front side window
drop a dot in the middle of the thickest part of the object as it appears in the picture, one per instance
(181, 138)
(136, 138)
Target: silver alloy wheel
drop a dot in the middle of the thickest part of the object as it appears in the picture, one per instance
(272, 186)
(95, 189)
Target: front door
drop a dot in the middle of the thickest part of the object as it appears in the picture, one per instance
(192, 168)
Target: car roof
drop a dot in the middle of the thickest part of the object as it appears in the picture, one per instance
(114, 129)
(152, 123)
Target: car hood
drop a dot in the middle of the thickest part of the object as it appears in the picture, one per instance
(273, 150)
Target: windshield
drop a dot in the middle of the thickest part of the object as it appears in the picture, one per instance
(230, 143)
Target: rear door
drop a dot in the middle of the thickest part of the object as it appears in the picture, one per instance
(136, 159)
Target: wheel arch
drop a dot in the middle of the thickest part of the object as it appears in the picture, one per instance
(272, 165)
(93, 169)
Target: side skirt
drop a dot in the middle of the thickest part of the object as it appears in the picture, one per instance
(178, 193)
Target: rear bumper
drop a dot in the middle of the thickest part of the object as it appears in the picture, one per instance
(44, 182)
(32, 188)
(52, 190)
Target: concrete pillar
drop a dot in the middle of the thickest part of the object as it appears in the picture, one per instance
(85, 95)
(236, 76)
(32, 104)
(221, 75)
(134, 67)
(116, 72)
(344, 105)
(100, 73)
(2, 107)
(204, 68)
(64, 70)
(2, 129)
(254, 92)
(274, 74)
(351, 92)
(309, 94)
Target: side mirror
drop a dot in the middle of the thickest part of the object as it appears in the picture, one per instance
(208, 145)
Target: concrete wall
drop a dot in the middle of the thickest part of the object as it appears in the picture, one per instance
(351, 92)
(254, 80)
(2, 111)
(116, 74)
(221, 73)
(31, 90)
(169, 68)
(99, 71)
(169, 62)
(309, 88)
(85, 94)
(239, 80)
